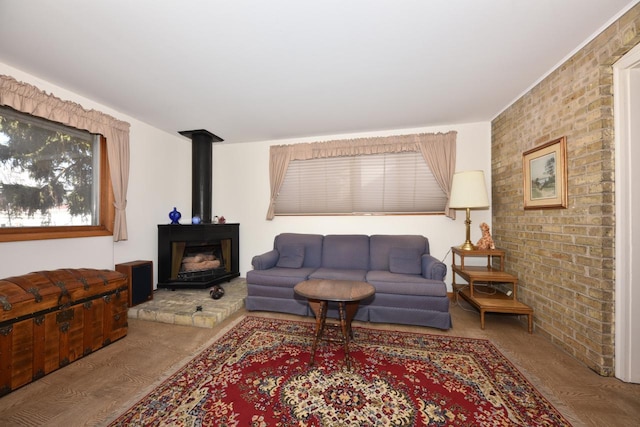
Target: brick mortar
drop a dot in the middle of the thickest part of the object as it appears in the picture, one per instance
(564, 258)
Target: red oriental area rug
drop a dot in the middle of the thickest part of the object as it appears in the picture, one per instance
(258, 374)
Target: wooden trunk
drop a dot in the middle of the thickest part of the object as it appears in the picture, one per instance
(49, 319)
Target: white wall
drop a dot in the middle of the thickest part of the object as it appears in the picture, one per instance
(160, 178)
(241, 195)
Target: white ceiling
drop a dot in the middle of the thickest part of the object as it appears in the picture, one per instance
(250, 70)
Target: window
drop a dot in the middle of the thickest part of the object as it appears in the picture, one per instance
(54, 180)
(390, 183)
(363, 176)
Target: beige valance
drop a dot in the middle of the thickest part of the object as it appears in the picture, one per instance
(29, 99)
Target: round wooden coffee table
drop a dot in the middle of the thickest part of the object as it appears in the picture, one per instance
(347, 293)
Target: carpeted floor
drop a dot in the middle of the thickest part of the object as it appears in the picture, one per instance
(258, 373)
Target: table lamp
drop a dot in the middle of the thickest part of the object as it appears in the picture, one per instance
(468, 191)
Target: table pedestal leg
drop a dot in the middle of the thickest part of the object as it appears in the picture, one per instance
(351, 309)
(320, 310)
(345, 326)
(346, 311)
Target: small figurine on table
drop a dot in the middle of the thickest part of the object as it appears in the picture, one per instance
(486, 241)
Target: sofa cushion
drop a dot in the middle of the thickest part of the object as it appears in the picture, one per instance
(291, 256)
(405, 284)
(312, 244)
(381, 245)
(405, 260)
(346, 251)
(277, 276)
(339, 274)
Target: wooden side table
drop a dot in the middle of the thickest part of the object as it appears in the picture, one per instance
(346, 293)
(480, 278)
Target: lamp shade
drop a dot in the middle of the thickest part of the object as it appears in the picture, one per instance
(468, 190)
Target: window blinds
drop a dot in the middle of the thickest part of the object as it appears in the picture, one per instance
(390, 183)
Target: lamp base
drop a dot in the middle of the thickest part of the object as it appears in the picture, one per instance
(468, 246)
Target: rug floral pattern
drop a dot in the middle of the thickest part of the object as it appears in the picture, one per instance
(258, 374)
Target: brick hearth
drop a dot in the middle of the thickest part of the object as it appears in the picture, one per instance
(192, 307)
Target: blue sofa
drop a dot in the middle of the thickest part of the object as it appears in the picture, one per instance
(409, 282)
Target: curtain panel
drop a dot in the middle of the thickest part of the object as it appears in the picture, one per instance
(31, 100)
(437, 149)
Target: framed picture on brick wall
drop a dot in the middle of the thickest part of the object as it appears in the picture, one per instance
(545, 175)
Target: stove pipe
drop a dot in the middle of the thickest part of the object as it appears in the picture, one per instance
(201, 172)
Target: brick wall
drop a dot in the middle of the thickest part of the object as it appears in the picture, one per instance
(564, 258)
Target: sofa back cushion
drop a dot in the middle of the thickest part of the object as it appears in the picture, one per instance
(397, 253)
(299, 250)
(346, 251)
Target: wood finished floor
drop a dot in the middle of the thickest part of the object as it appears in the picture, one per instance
(94, 390)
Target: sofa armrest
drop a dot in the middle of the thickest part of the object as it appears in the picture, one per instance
(266, 260)
(432, 268)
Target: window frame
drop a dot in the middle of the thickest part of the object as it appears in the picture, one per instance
(106, 214)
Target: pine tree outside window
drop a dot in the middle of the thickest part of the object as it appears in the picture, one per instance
(52, 179)
(49, 173)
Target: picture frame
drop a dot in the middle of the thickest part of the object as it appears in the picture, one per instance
(545, 175)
